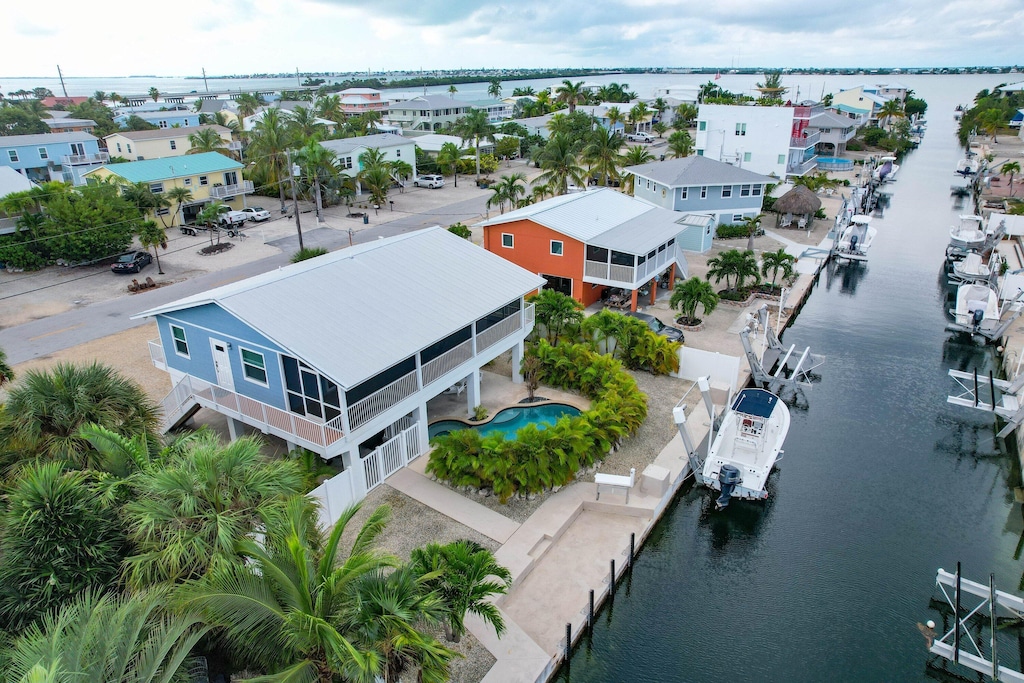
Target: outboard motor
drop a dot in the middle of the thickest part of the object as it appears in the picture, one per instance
(728, 477)
(977, 315)
(853, 243)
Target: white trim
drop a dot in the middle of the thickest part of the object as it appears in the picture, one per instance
(247, 342)
(561, 248)
(512, 240)
(245, 375)
(174, 341)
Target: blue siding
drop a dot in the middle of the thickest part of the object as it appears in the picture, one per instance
(697, 239)
(30, 158)
(211, 321)
(715, 203)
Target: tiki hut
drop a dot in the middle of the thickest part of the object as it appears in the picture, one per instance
(796, 206)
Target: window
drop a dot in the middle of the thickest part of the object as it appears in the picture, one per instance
(826, 130)
(129, 148)
(556, 248)
(648, 184)
(163, 211)
(702, 125)
(346, 162)
(683, 192)
(726, 191)
(188, 181)
(42, 154)
(746, 156)
(398, 152)
(253, 366)
(156, 188)
(174, 145)
(756, 190)
(741, 129)
(119, 148)
(737, 217)
(704, 192)
(78, 149)
(203, 180)
(700, 152)
(744, 190)
(12, 154)
(180, 342)
(162, 124)
(507, 240)
(782, 158)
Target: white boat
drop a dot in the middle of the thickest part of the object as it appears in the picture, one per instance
(977, 308)
(855, 239)
(970, 269)
(968, 167)
(747, 445)
(886, 169)
(969, 234)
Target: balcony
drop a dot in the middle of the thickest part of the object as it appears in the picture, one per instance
(156, 354)
(446, 362)
(225, 191)
(84, 159)
(495, 333)
(630, 277)
(802, 168)
(804, 142)
(364, 410)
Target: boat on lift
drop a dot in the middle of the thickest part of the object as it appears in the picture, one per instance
(855, 239)
(971, 268)
(977, 308)
(968, 167)
(969, 234)
(886, 170)
(746, 447)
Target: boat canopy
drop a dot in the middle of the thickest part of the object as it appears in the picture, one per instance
(861, 219)
(755, 402)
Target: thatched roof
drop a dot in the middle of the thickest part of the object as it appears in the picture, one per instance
(799, 201)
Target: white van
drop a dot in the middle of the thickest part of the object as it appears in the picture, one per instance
(432, 181)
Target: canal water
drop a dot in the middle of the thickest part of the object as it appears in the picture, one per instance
(882, 484)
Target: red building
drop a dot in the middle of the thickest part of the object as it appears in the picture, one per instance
(588, 242)
(50, 102)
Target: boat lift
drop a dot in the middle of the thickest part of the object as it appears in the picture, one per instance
(1014, 306)
(777, 366)
(958, 644)
(1005, 402)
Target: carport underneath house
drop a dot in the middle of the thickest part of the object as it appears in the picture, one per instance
(285, 353)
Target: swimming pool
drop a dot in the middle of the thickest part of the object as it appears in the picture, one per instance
(508, 421)
(834, 164)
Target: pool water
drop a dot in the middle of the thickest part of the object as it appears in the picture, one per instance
(834, 164)
(508, 421)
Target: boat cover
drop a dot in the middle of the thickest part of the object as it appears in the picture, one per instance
(756, 402)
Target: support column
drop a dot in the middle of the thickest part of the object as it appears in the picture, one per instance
(472, 391)
(517, 362)
(235, 429)
(671, 277)
(419, 415)
(632, 300)
(654, 291)
(291, 445)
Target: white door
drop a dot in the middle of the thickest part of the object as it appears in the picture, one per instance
(222, 363)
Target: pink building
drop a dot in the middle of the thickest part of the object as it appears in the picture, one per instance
(361, 100)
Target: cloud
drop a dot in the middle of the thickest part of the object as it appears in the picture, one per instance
(27, 28)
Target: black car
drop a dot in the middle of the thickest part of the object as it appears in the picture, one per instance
(671, 333)
(132, 262)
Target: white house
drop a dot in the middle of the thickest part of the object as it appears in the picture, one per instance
(767, 140)
(393, 147)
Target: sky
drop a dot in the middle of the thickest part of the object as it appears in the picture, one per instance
(127, 37)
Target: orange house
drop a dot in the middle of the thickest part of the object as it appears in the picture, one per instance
(589, 243)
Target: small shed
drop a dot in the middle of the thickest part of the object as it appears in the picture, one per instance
(796, 206)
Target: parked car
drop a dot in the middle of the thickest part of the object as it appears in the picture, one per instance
(232, 219)
(132, 262)
(432, 181)
(257, 214)
(671, 333)
(639, 137)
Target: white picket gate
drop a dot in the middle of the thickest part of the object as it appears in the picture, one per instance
(391, 456)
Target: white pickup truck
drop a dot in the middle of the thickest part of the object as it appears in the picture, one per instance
(639, 137)
(231, 219)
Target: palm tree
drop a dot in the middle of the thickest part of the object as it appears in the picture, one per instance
(448, 159)
(1012, 168)
(475, 126)
(304, 124)
(570, 93)
(540, 192)
(691, 293)
(680, 144)
(752, 224)
(46, 409)
(329, 107)
(6, 373)
(282, 609)
(154, 93)
(463, 573)
(614, 116)
(187, 517)
(100, 96)
(990, 121)
(638, 114)
(271, 138)
(892, 109)
(318, 165)
(107, 638)
(634, 156)
(152, 235)
(452, 90)
(377, 179)
(179, 195)
(207, 140)
(560, 166)
(685, 114)
(730, 264)
(776, 262)
(494, 89)
(514, 187)
(772, 88)
(556, 313)
(603, 153)
(248, 103)
(660, 106)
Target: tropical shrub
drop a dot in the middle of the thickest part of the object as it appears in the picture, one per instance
(307, 253)
(539, 459)
(728, 231)
(460, 230)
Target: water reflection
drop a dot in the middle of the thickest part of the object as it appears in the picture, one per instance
(847, 274)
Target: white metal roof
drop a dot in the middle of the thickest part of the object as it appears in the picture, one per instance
(12, 181)
(357, 311)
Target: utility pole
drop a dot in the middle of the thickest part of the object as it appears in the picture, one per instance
(204, 80)
(61, 76)
(295, 201)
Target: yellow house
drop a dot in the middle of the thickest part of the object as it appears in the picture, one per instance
(138, 145)
(209, 177)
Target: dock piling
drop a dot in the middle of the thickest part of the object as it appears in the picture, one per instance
(590, 614)
(611, 584)
(568, 642)
(632, 548)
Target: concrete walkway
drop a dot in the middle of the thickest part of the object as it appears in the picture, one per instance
(464, 511)
(796, 249)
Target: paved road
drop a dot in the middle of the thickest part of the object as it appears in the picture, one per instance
(54, 333)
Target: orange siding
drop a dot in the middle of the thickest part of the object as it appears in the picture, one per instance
(532, 250)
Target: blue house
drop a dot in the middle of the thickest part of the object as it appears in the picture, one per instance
(52, 156)
(334, 355)
(700, 185)
(162, 119)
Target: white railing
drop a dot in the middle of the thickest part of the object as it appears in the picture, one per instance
(530, 314)
(77, 159)
(156, 353)
(235, 146)
(495, 333)
(446, 362)
(622, 273)
(266, 417)
(802, 168)
(803, 142)
(595, 269)
(364, 410)
(390, 456)
(221, 191)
